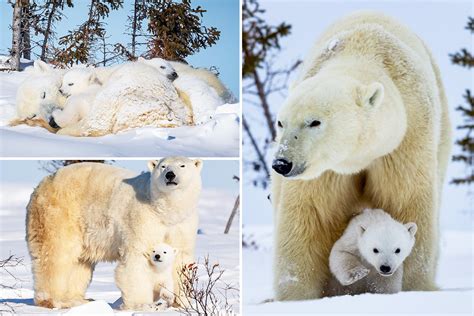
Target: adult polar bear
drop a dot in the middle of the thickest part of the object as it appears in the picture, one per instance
(89, 212)
(365, 122)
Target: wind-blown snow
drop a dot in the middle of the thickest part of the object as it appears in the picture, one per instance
(218, 137)
(214, 209)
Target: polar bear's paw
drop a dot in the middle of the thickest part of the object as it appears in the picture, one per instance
(354, 275)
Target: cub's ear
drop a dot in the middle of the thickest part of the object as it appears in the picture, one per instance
(371, 95)
(152, 164)
(412, 228)
(141, 59)
(94, 80)
(41, 66)
(198, 163)
(361, 230)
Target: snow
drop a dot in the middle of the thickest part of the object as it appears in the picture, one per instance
(455, 279)
(218, 137)
(214, 207)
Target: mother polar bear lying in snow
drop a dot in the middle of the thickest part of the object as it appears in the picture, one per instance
(89, 212)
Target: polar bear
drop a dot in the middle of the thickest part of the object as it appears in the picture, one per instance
(79, 86)
(90, 212)
(160, 271)
(369, 256)
(39, 94)
(365, 121)
(135, 95)
(199, 87)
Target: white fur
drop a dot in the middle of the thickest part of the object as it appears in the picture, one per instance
(39, 95)
(162, 258)
(372, 241)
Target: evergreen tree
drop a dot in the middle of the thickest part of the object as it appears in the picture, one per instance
(465, 59)
(176, 29)
(75, 47)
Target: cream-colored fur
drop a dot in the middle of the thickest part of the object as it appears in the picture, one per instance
(205, 75)
(384, 139)
(87, 213)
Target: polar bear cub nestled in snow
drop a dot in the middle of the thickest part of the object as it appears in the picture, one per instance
(162, 258)
(369, 256)
(80, 86)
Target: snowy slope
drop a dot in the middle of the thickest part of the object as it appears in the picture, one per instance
(217, 138)
(214, 209)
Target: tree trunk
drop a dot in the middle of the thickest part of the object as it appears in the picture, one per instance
(232, 215)
(266, 107)
(134, 27)
(260, 156)
(16, 36)
(47, 33)
(25, 30)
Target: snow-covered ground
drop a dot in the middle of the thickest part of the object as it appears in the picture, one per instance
(455, 279)
(214, 209)
(216, 138)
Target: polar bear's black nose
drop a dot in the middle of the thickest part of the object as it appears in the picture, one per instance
(385, 269)
(170, 175)
(173, 76)
(157, 257)
(282, 166)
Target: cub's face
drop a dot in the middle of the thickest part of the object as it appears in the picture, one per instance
(174, 173)
(320, 126)
(163, 256)
(76, 81)
(163, 66)
(38, 95)
(386, 246)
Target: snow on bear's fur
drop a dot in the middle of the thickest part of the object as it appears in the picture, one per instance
(134, 95)
(92, 212)
(365, 122)
(369, 256)
(39, 94)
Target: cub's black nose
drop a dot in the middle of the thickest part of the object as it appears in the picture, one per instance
(282, 166)
(52, 123)
(173, 76)
(385, 269)
(157, 257)
(170, 175)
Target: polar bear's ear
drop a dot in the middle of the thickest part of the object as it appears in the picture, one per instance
(141, 59)
(371, 95)
(41, 66)
(93, 79)
(198, 163)
(152, 164)
(412, 228)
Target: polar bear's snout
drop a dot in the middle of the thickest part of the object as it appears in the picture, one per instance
(157, 258)
(170, 177)
(282, 166)
(385, 270)
(173, 76)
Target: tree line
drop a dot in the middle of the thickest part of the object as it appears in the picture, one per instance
(155, 28)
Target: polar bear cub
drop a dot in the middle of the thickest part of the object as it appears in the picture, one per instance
(369, 256)
(162, 258)
(80, 86)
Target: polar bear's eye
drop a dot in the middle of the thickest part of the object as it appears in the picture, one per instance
(164, 251)
(397, 250)
(163, 167)
(315, 123)
(162, 67)
(153, 251)
(70, 84)
(182, 166)
(43, 96)
(376, 250)
(279, 124)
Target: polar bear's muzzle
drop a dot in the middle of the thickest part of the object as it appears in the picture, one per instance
(173, 76)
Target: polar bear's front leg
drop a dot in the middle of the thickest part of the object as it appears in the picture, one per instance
(67, 116)
(346, 266)
(135, 283)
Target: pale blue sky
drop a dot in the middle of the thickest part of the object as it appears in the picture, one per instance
(223, 14)
(216, 174)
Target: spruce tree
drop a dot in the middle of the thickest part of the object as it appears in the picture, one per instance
(464, 58)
